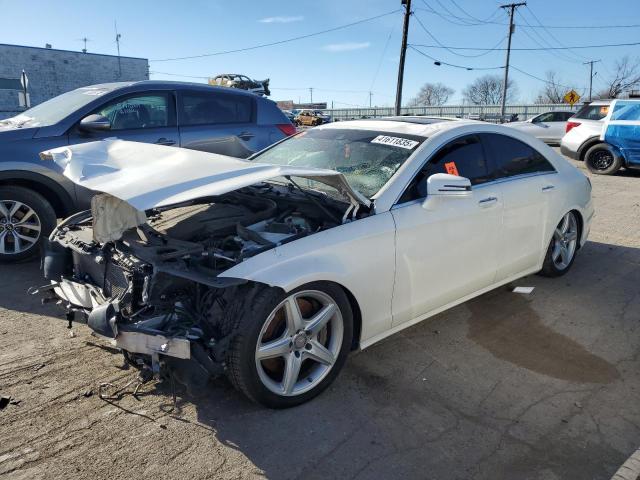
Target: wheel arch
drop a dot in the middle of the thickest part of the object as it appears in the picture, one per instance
(586, 145)
(59, 199)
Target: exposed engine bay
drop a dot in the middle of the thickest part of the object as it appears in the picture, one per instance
(156, 290)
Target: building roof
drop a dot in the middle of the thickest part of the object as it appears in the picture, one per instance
(70, 51)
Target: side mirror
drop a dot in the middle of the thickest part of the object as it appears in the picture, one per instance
(94, 123)
(445, 185)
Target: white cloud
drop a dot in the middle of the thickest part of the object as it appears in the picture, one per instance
(281, 19)
(346, 47)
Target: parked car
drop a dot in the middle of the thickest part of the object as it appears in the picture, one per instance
(234, 80)
(309, 118)
(621, 135)
(582, 138)
(326, 118)
(271, 271)
(190, 115)
(549, 126)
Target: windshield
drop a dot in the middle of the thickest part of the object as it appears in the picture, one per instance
(367, 158)
(57, 108)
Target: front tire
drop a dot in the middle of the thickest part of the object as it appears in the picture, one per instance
(26, 218)
(291, 346)
(563, 247)
(601, 159)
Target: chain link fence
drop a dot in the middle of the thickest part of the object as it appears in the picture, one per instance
(489, 113)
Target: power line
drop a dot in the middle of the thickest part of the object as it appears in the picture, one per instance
(279, 42)
(451, 50)
(493, 22)
(550, 33)
(542, 79)
(604, 45)
(440, 62)
(546, 43)
(489, 18)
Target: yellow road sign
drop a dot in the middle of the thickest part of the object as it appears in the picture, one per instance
(571, 97)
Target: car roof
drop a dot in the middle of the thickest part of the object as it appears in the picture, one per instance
(150, 84)
(399, 127)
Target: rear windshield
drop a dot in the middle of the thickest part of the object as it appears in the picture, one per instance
(367, 158)
(592, 112)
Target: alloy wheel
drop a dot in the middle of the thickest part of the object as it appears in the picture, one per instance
(19, 227)
(565, 241)
(299, 343)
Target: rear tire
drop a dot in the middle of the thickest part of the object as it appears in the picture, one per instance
(601, 159)
(270, 343)
(563, 247)
(26, 219)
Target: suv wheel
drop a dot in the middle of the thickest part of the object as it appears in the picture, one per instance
(26, 217)
(602, 160)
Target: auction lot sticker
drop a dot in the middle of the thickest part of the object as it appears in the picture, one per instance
(395, 141)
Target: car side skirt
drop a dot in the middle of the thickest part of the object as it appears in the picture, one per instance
(370, 341)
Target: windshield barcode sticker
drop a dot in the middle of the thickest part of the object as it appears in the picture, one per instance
(395, 141)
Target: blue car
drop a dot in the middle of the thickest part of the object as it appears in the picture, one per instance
(621, 139)
(33, 192)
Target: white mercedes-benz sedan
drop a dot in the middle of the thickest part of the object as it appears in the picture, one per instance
(272, 270)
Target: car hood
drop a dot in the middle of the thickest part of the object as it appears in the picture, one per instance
(148, 176)
(12, 131)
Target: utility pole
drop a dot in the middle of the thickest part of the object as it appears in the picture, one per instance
(85, 40)
(591, 75)
(370, 95)
(115, 25)
(311, 92)
(512, 7)
(403, 52)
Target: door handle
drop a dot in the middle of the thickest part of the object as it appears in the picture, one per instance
(485, 202)
(548, 188)
(246, 135)
(165, 141)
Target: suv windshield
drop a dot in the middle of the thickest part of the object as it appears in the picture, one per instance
(57, 108)
(592, 112)
(367, 158)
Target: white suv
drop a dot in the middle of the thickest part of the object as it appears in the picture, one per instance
(582, 138)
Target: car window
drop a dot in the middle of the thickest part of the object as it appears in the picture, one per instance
(592, 112)
(215, 109)
(512, 157)
(546, 117)
(463, 156)
(140, 111)
(563, 116)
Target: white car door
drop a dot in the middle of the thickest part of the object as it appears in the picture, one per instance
(527, 183)
(446, 248)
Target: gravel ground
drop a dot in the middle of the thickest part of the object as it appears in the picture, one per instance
(540, 386)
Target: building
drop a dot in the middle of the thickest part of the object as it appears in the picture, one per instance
(51, 72)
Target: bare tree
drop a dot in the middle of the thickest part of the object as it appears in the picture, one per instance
(487, 90)
(432, 94)
(626, 76)
(552, 92)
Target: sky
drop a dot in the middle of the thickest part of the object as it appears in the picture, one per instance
(341, 66)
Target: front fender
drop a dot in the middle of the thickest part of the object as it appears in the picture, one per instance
(360, 256)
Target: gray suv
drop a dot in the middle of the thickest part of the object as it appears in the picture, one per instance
(33, 192)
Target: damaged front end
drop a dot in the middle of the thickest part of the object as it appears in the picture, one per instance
(150, 281)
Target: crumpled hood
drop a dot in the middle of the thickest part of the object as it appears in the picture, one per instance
(148, 176)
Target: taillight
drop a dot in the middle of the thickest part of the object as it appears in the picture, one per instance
(570, 125)
(286, 128)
